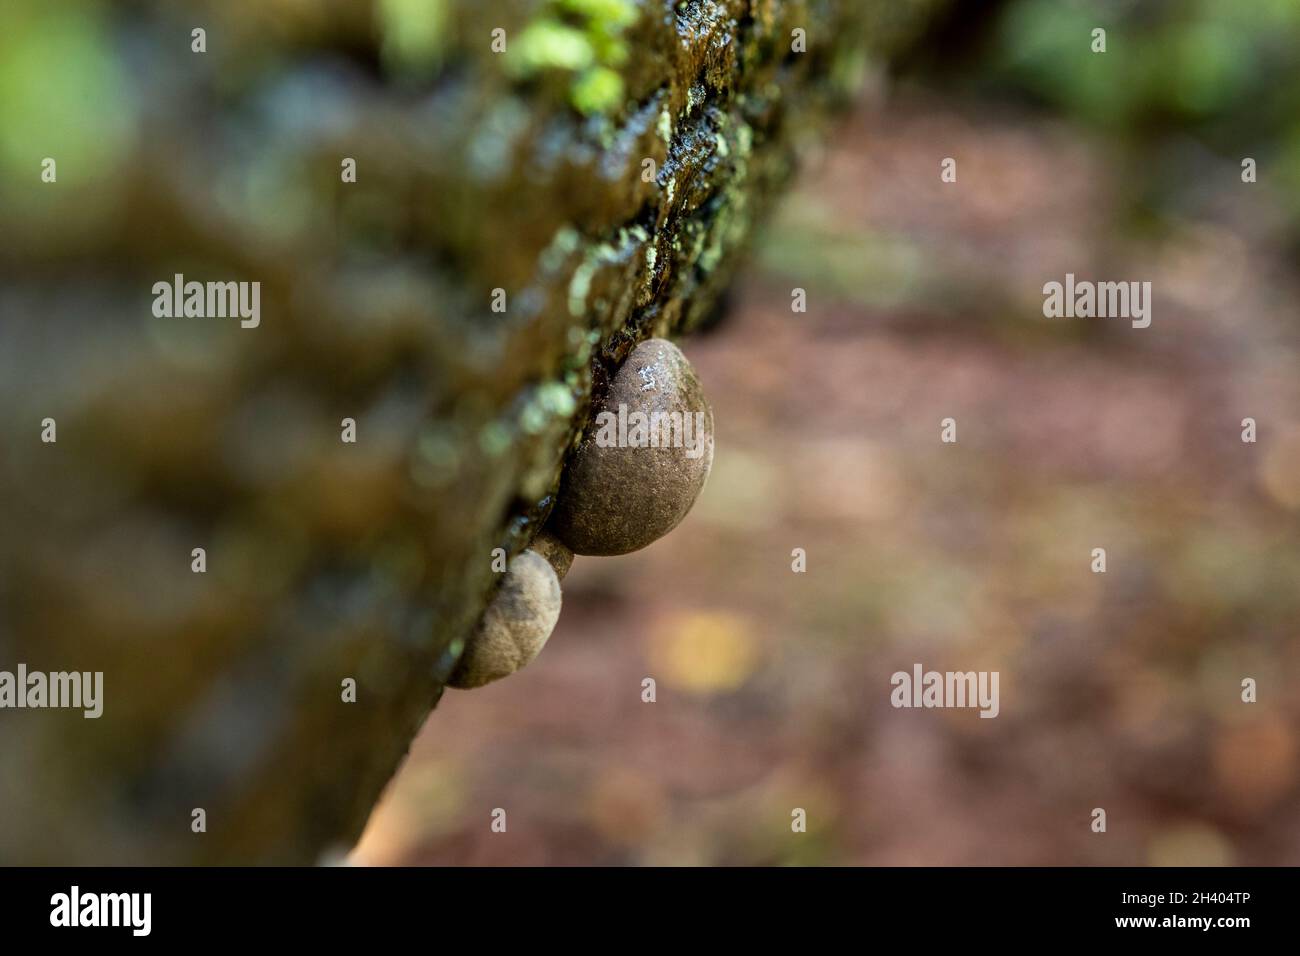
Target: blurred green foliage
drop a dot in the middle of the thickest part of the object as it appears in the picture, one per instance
(584, 37)
(414, 33)
(62, 94)
(1218, 73)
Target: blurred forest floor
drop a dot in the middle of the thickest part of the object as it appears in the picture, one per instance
(1118, 690)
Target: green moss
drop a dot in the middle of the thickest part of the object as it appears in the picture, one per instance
(562, 245)
(597, 90)
(582, 37)
(665, 127)
(413, 33)
(595, 258)
(556, 399)
(437, 458)
(550, 45)
(610, 16)
(494, 440)
(62, 95)
(580, 286)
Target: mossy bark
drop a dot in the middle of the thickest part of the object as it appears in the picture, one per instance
(329, 561)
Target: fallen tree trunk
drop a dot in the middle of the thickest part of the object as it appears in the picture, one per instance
(456, 233)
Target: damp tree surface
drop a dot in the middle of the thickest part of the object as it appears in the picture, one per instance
(272, 538)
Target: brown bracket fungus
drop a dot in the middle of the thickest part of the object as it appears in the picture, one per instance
(643, 460)
(515, 625)
(637, 472)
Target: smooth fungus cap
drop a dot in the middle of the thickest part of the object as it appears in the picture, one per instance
(515, 625)
(616, 498)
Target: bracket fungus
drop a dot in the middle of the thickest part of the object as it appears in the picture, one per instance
(515, 625)
(637, 472)
(631, 481)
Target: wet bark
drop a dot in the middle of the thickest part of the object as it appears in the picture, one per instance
(504, 244)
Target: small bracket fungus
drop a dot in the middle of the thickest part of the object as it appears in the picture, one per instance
(631, 481)
(515, 625)
(643, 460)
